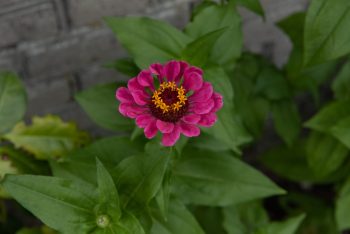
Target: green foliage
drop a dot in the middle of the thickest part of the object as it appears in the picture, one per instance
(227, 48)
(342, 204)
(206, 178)
(47, 137)
(100, 104)
(127, 184)
(13, 101)
(326, 31)
(148, 40)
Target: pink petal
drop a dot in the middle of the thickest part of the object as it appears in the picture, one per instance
(189, 130)
(202, 107)
(191, 118)
(165, 127)
(145, 79)
(218, 100)
(169, 139)
(192, 81)
(172, 70)
(143, 120)
(208, 120)
(133, 85)
(151, 129)
(203, 94)
(124, 95)
(157, 69)
(183, 68)
(140, 97)
(195, 70)
(131, 110)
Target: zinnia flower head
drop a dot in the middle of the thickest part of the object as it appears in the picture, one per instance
(172, 99)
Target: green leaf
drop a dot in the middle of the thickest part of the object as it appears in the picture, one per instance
(47, 137)
(271, 84)
(108, 194)
(148, 40)
(289, 162)
(13, 101)
(342, 207)
(287, 120)
(140, 177)
(101, 106)
(25, 163)
(244, 218)
(39, 230)
(293, 26)
(198, 51)
(179, 220)
(289, 226)
(253, 5)
(341, 131)
(228, 47)
(207, 178)
(228, 128)
(328, 116)
(111, 151)
(326, 31)
(66, 206)
(125, 66)
(341, 84)
(325, 154)
(6, 167)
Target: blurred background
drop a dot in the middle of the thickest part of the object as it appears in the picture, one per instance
(59, 47)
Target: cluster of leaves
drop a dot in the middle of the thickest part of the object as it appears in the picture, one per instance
(124, 184)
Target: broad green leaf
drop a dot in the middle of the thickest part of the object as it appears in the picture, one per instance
(111, 151)
(179, 220)
(289, 226)
(319, 215)
(342, 207)
(228, 47)
(253, 5)
(206, 178)
(101, 106)
(341, 131)
(293, 26)
(287, 120)
(328, 116)
(24, 162)
(244, 218)
(326, 31)
(341, 84)
(289, 162)
(108, 194)
(252, 109)
(271, 84)
(228, 128)
(125, 66)
(13, 101)
(140, 177)
(47, 137)
(198, 51)
(325, 154)
(209, 218)
(63, 205)
(148, 40)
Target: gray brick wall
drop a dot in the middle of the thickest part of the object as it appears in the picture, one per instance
(58, 46)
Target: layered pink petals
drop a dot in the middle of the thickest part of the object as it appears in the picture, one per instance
(151, 129)
(165, 127)
(202, 102)
(169, 139)
(189, 130)
(145, 79)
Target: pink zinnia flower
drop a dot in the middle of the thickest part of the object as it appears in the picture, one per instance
(172, 98)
